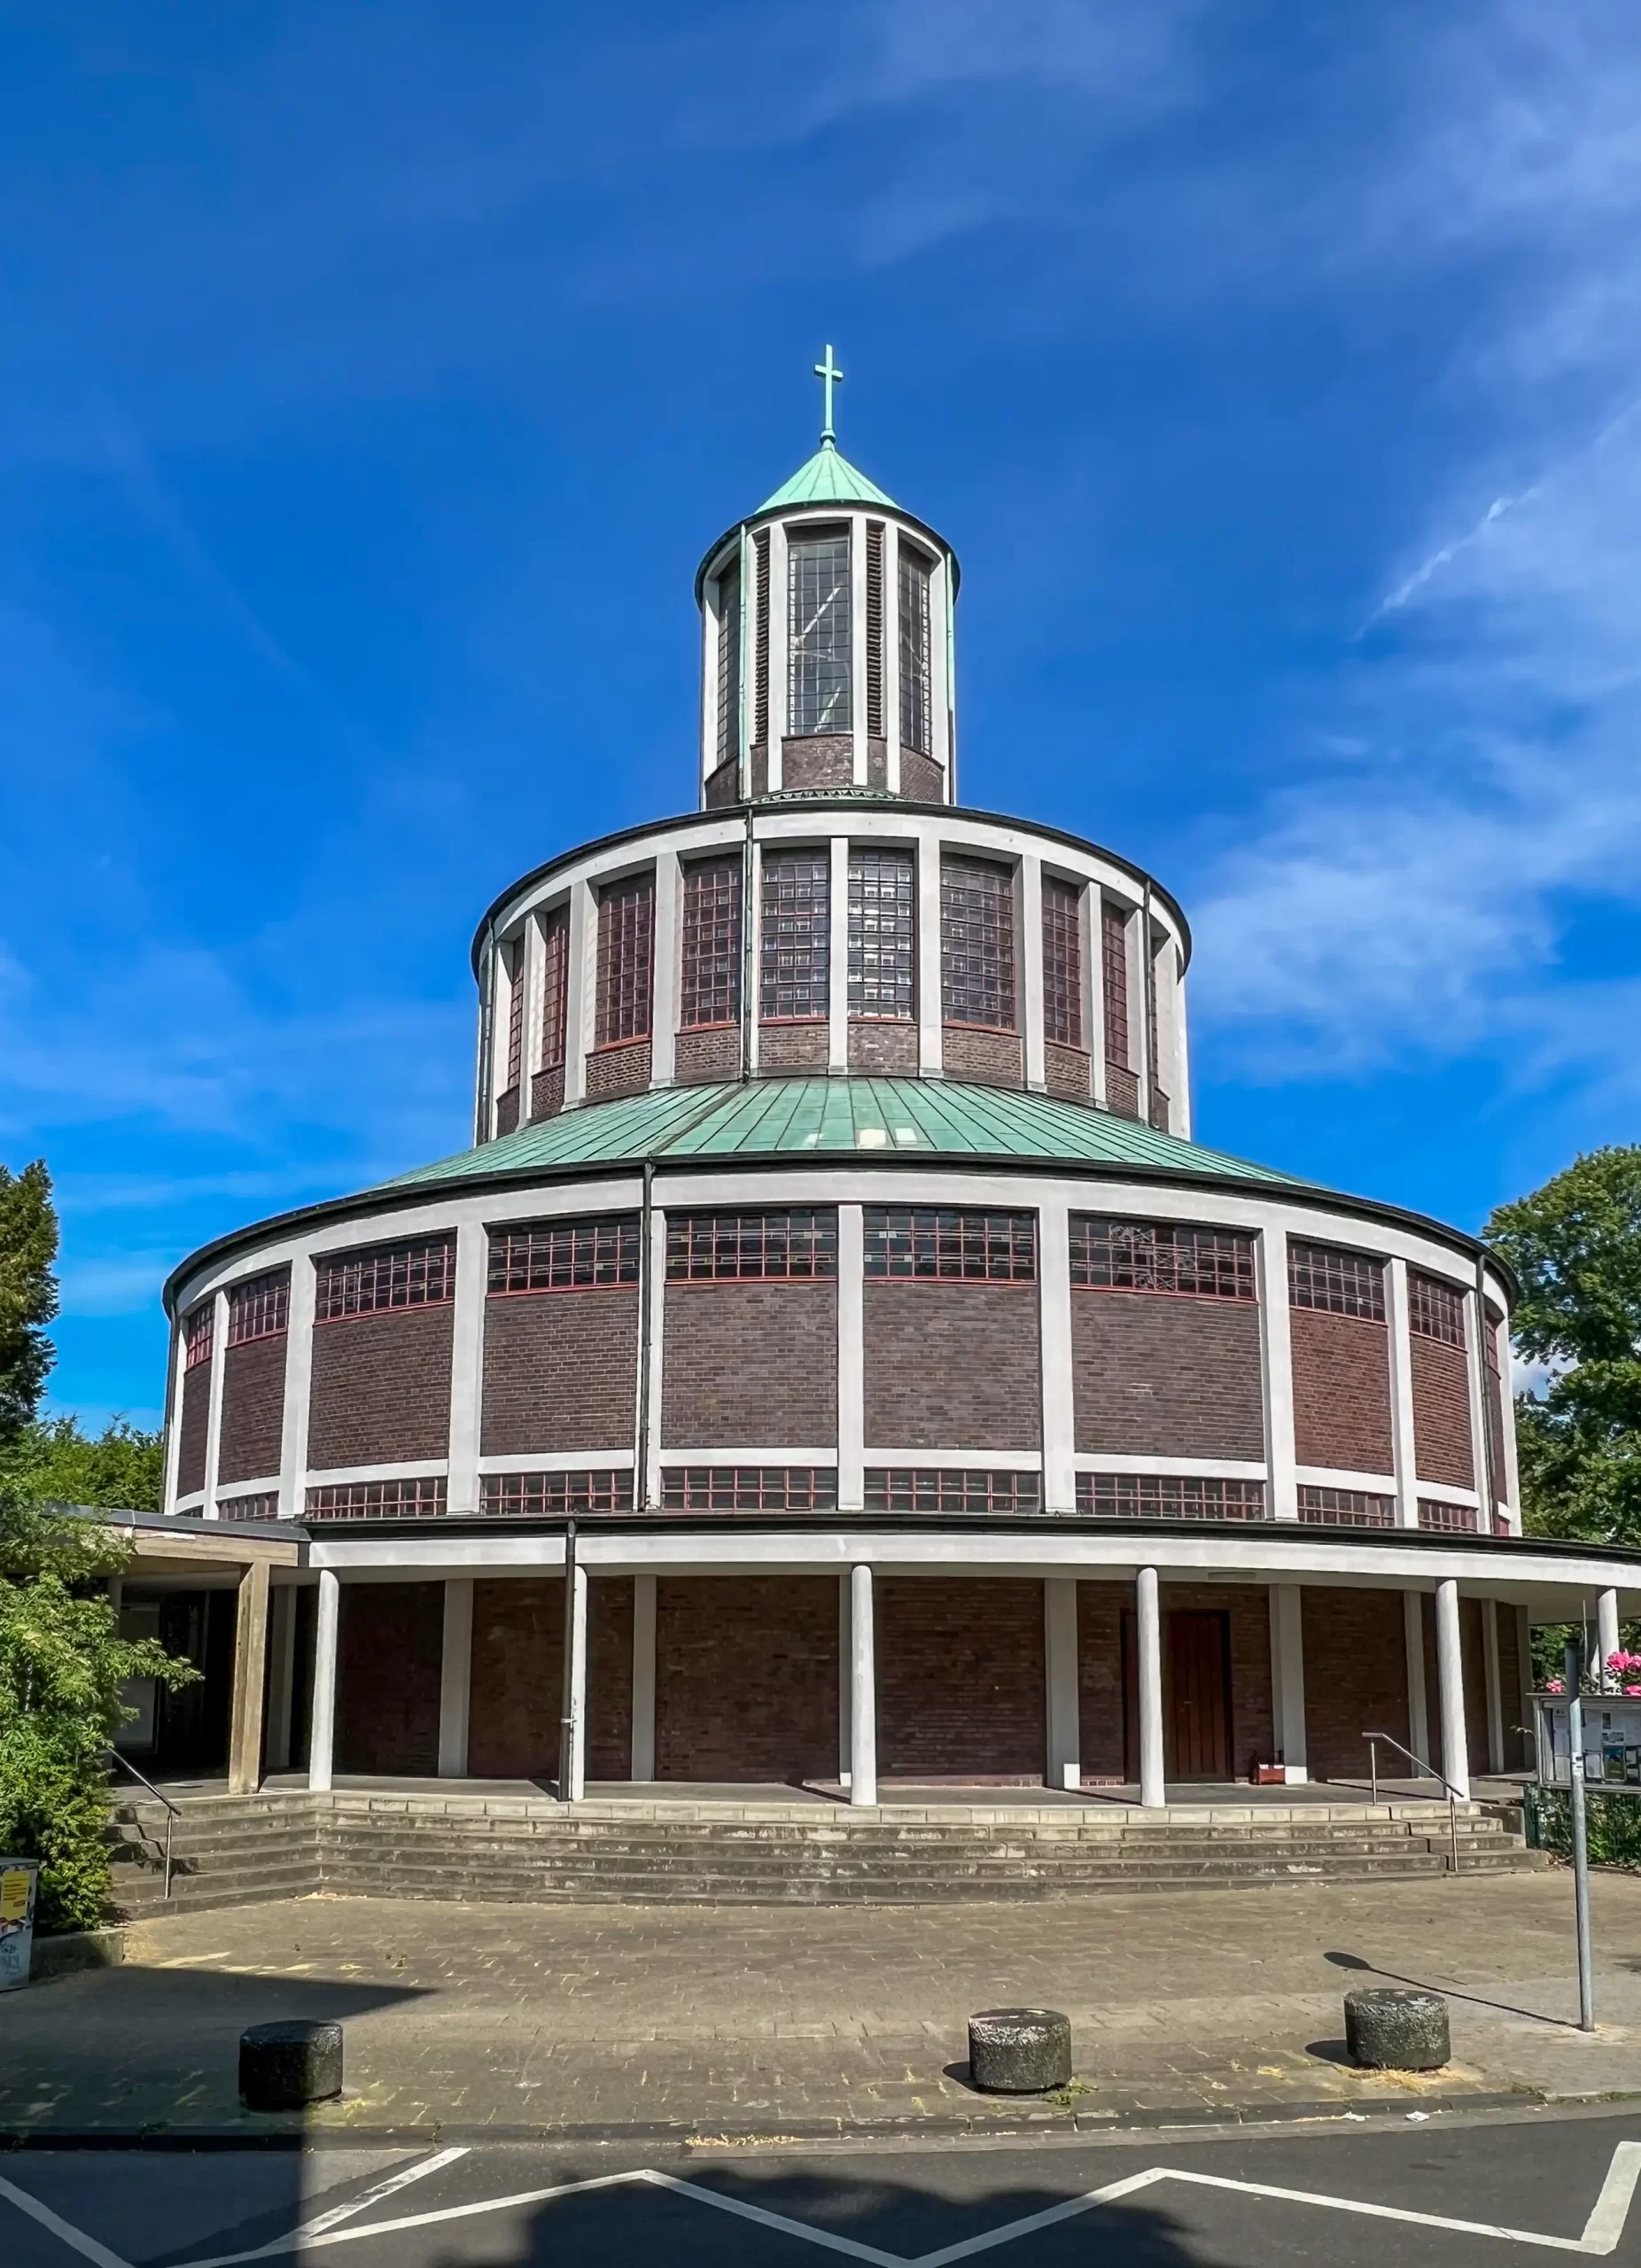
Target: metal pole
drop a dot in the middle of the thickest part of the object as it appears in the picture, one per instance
(1581, 1843)
(565, 1721)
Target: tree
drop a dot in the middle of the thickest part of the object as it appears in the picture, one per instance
(53, 1461)
(1576, 1244)
(27, 1292)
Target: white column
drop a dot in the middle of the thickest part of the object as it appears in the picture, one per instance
(1090, 904)
(1403, 1448)
(213, 1413)
(1476, 1366)
(1276, 1356)
(1495, 1695)
(299, 1390)
(1030, 902)
(1138, 1049)
(174, 1414)
(467, 1364)
(1148, 1621)
(322, 1737)
(851, 1358)
(663, 997)
(1418, 1700)
(647, 1484)
(845, 1679)
(1607, 1626)
(862, 1690)
(455, 1677)
(752, 960)
(837, 945)
(858, 645)
(579, 1002)
(1288, 1676)
(930, 1019)
(644, 1764)
(282, 1675)
(1451, 1682)
(575, 1638)
(1054, 1272)
(1063, 1711)
(1182, 1056)
(892, 656)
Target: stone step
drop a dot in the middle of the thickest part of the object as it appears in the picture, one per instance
(549, 1848)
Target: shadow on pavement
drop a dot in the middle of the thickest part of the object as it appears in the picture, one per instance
(1352, 1961)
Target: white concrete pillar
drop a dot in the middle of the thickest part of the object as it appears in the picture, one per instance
(647, 1484)
(1148, 1621)
(1139, 947)
(1059, 1435)
(1450, 1685)
(1607, 1627)
(173, 1412)
(575, 1638)
(245, 1742)
(845, 1679)
(644, 1764)
(837, 945)
(213, 1412)
(862, 1690)
(455, 1677)
(752, 954)
(851, 1358)
(930, 1013)
(664, 982)
(1276, 1358)
(892, 655)
(1182, 1056)
(580, 1003)
(282, 1675)
(322, 1737)
(1031, 1004)
(1418, 1700)
(298, 1389)
(467, 1363)
(1475, 1364)
(1090, 904)
(1062, 1712)
(1288, 1677)
(1495, 1695)
(1403, 1446)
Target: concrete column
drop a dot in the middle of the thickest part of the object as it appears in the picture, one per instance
(1275, 1357)
(244, 1745)
(851, 1358)
(1063, 1715)
(1475, 1364)
(213, 1414)
(752, 957)
(575, 1638)
(1031, 902)
(1451, 1682)
(322, 1736)
(892, 655)
(455, 1677)
(579, 1002)
(1139, 1051)
(298, 1389)
(837, 946)
(647, 1484)
(1182, 1056)
(845, 1689)
(1090, 903)
(862, 1690)
(858, 645)
(1606, 1626)
(930, 1016)
(1403, 1449)
(644, 1764)
(1495, 1695)
(1054, 1271)
(664, 990)
(174, 1413)
(1418, 1701)
(467, 1362)
(282, 1675)
(1288, 1676)
(1149, 1622)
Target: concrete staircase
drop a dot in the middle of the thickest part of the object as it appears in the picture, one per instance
(233, 1850)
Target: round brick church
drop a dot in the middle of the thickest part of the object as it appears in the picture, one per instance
(835, 1362)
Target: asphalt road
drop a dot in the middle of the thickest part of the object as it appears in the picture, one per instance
(1445, 2190)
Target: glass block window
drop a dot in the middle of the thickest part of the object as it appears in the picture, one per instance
(1114, 980)
(1435, 1309)
(554, 986)
(259, 1308)
(916, 704)
(729, 664)
(710, 971)
(379, 1500)
(874, 628)
(1447, 1519)
(932, 1488)
(749, 1488)
(818, 693)
(760, 638)
(795, 959)
(420, 1275)
(626, 959)
(553, 1495)
(515, 1010)
(1343, 1283)
(1062, 963)
(1345, 1508)
(977, 944)
(565, 1255)
(1169, 1496)
(720, 1248)
(1150, 1256)
(969, 1247)
(883, 933)
(198, 1334)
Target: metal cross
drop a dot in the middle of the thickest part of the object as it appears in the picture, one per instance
(829, 376)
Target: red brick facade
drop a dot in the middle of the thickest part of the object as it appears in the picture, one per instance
(1065, 1072)
(747, 1678)
(953, 1366)
(561, 1371)
(882, 1049)
(254, 1405)
(193, 1426)
(712, 1052)
(1442, 1412)
(921, 779)
(800, 1045)
(817, 760)
(516, 1698)
(390, 1656)
(1356, 1679)
(1342, 1391)
(620, 1070)
(749, 1365)
(381, 1388)
(986, 1059)
(1107, 1674)
(959, 1678)
(1156, 1375)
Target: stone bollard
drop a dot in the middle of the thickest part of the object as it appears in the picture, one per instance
(1388, 2028)
(287, 2066)
(1019, 2051)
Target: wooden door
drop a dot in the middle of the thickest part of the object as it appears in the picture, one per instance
(1197, 1696)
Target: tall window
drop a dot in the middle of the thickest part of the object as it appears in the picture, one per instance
(874, 628)
(710, 972)
(883, 933)
(818, 633)
(977, 944)
(515, 1010)
(626, 959)
(914, 691)
(796, 959)
(729, 664)
(1436, 1310)
(1062, 963)
(259, 1308)
(1340, 1283)
(554, 986)
(1113, 976)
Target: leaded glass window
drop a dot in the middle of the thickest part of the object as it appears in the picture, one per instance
(626, 959)
(977, 944)
(883, 933)
(554, 986)
(818, 696)
(729, 664)
(795, 949)
(710, 957)
(914, 650)
(1062, 963)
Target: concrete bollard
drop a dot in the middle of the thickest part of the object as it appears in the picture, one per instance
(287, 2066)
(1391, 2029)
(1019, 2051)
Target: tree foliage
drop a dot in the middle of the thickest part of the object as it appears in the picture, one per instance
(1576, 1244)
(55, 1461)
(27, 1292)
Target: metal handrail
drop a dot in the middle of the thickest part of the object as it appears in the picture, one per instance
(1454, 1799)
(173, 1812)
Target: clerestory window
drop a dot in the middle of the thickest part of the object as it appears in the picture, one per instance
(916, 704)
(817, 692)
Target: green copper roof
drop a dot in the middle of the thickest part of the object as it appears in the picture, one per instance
(783, 1117)
(828, 479)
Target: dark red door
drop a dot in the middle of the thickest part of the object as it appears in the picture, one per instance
(1196, 1697)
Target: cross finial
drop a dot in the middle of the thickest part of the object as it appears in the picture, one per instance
(829, 376)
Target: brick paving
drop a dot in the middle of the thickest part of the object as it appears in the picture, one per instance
(734, 2019)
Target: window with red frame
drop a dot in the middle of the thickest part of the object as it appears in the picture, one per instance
(565, 1255)
(1341, 1283)
(1435, 1309)
(1169, 1496)
(259, 1308)
(934, 1489)
(1114, 980)
(883, 933)
(977, 944)
(554, 986)
(626, 959)
(709, 1247)
(1062, 963)
(515, 1010)
(1153, 1256)
(198, 1334)
(709, 958)
(952, 1247)
(420, 1275)
(795, 959)
(748, 1489)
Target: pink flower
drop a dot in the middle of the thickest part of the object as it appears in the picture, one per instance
(1554, 1685)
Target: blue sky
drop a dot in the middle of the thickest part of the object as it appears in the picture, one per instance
(373, 377)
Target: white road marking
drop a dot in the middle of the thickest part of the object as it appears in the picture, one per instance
(301, 2238)
(76, 2239)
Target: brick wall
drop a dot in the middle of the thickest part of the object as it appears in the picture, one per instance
(988, 1058)
(723, 786)
(711, 1052)
(1356, 1679)
(381, 1388)
(193, 1427)
(546, 1092)
(1122, 1091)
(561, 1371)
(1510, 1690)
(254, 1407)
(817, 760)
(622, 1069)
(953, 1366)
(507, 1111)
(796, 1046)
(883, 1050)
(1442, 1412)
(1158, 1375)
(746, 1678)
(921, 779)
(877, 766)
(390, 1653)
(516, 1698)
(1342, 1391)
(1475, 1665)
(750, 1364)
(1066, 1071)
(959, 1678)
(1110, 1743)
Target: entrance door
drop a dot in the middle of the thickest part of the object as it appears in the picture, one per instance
(1197, 1696)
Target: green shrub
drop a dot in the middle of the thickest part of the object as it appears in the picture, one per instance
(1614, 1826)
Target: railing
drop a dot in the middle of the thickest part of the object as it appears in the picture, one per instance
(172, 1814)
(1428, 1770)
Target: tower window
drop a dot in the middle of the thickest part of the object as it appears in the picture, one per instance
(914, 690)
(554, 986)
(760, 637)
(874, 628)
(729, 664)
(515, 1010)
(818, 698)
(796, 959)
(709, 990)
(883, 933)
(626, 959)
(1114, 976)
(977, 944)
(1062, 963)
